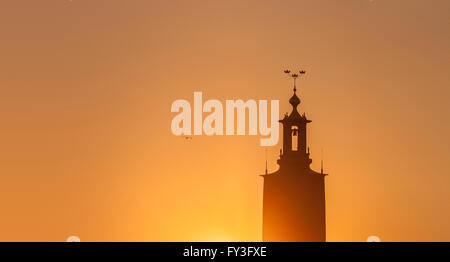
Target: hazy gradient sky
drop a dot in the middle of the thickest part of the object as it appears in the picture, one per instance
(86, 88)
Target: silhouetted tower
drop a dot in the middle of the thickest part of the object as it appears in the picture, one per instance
(294, 196)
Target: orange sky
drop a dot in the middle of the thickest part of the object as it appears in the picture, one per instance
(85, 94)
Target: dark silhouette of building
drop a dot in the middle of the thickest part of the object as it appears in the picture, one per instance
(294, 196)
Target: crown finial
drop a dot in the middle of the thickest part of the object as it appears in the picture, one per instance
(294, 76)
(294, 101)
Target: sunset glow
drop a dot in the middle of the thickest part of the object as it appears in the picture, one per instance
(85, 107)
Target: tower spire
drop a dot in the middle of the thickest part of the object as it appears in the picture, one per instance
(294, 76)
(321, 163)
(266, 160)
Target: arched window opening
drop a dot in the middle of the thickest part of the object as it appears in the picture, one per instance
(294, 138)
